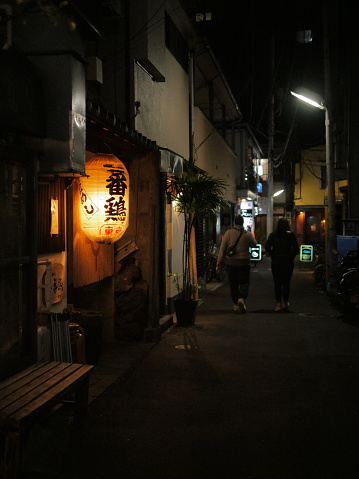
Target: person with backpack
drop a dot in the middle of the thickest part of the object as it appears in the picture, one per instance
(234, 252)
(282, 246)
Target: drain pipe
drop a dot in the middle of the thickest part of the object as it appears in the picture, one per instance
(191, 105)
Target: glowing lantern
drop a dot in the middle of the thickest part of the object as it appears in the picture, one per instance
(104, 199)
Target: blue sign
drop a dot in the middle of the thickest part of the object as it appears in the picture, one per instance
(256, 252)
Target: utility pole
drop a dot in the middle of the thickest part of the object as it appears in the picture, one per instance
(270, 141)
(332, 233)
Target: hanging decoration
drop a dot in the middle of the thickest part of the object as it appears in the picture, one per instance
(104, 199)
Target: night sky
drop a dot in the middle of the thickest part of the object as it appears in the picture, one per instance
(241, 34)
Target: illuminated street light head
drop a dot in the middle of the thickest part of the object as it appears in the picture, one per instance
(277, 193)
(309, 100)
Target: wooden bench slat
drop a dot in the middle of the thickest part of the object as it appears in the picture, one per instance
(51, 397)
(33, 392)
(34, 370)
(30, 382)
(41, 386)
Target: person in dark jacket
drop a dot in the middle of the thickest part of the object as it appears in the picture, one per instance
(238, 265)
(282, 246)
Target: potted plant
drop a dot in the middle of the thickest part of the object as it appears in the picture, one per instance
(186, 302)
(196, 193)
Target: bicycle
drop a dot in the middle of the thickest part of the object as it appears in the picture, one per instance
(214, 274)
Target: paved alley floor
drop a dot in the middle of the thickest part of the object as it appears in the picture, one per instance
(262, 395)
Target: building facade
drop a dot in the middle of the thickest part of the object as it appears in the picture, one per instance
(130, 82)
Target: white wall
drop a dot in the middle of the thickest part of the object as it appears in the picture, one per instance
(213, 154)
(164, 111)
(175, 231)
(164, 118)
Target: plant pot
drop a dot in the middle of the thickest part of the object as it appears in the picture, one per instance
(185, 311)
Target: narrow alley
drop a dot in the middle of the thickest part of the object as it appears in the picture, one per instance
(257, 396)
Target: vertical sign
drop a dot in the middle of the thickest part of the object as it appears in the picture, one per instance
(246, 209)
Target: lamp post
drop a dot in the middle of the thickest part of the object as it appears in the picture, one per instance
(332, 234)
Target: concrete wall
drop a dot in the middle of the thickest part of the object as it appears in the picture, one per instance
(307, 178)
(163, 115)
(213, 154)
(164, 110)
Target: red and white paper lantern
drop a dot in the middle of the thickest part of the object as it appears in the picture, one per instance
(104, 199)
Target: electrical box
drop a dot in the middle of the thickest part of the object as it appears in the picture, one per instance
(345, 244)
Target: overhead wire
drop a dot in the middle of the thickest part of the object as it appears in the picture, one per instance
(205, 139)
(310, 167)
(276, 72)
(279, 158)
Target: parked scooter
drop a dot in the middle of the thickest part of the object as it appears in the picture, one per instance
(348, 289)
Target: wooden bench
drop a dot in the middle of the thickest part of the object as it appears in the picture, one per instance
(33, 393)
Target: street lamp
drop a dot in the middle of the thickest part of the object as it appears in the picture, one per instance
(277, 193)
(332, 234)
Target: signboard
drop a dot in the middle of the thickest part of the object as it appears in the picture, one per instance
(306, 253)
(246, 210)
(57, 283)
(256, 252)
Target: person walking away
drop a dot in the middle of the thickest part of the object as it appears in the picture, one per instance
(282, 247)
(237, 265)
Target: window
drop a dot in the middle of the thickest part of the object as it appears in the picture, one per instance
(48, 190)
(175, 43)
